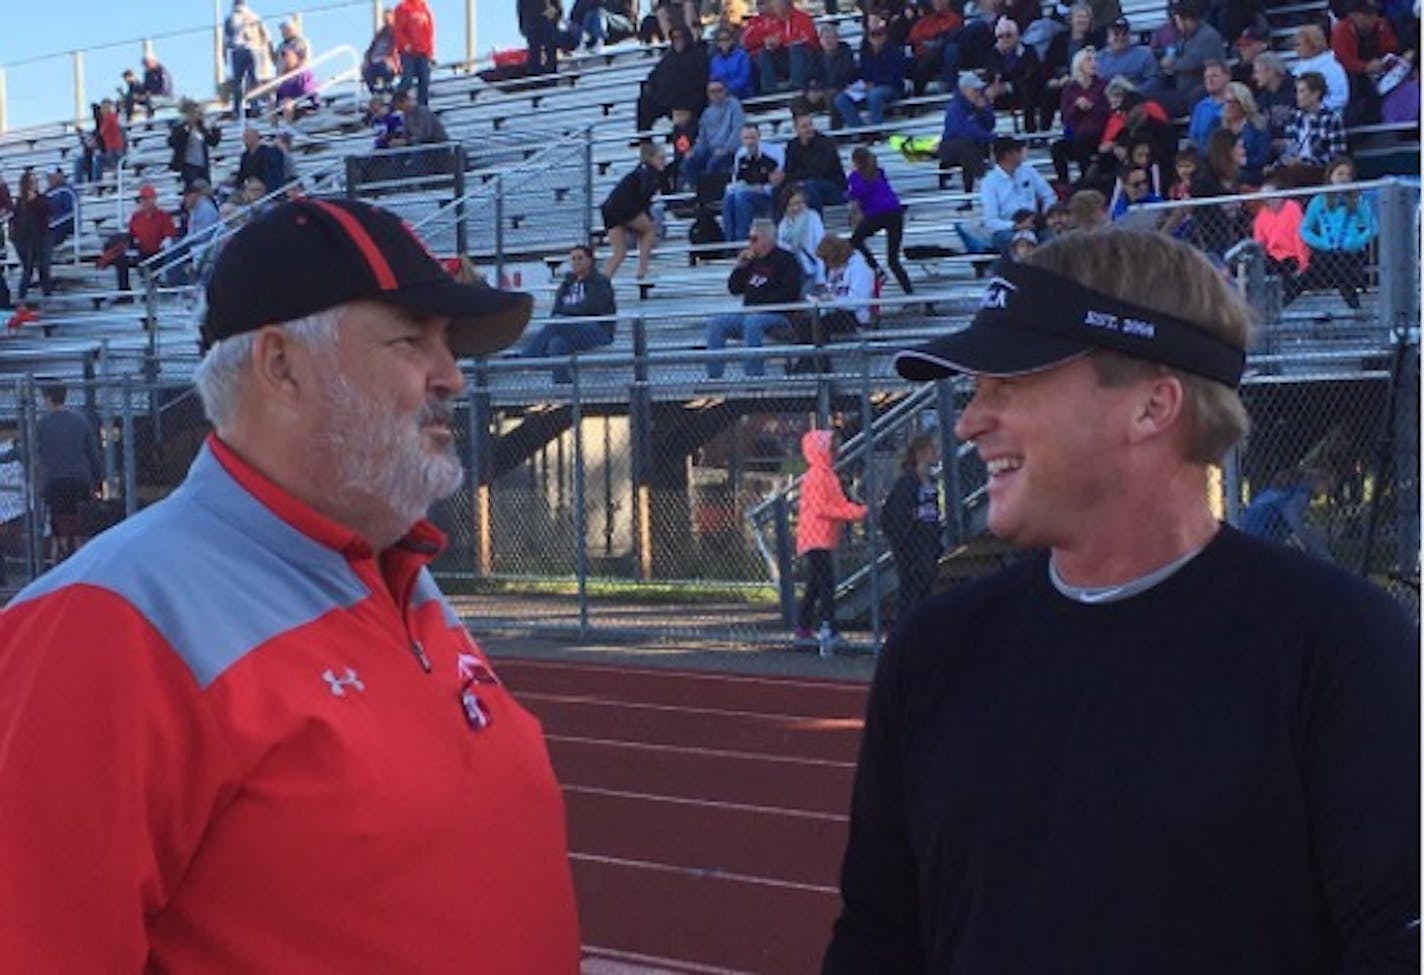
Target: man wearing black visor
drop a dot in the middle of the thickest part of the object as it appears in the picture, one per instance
(1155, 744)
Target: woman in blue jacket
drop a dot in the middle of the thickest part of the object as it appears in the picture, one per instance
(1338, 229)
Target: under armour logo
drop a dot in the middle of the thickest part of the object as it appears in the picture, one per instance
(339, 684)
(997, 294)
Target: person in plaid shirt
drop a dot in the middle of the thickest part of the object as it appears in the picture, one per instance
(1315, 135)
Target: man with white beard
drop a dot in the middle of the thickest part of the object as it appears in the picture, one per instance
(244, 731)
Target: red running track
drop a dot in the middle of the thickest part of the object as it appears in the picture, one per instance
(707, 812)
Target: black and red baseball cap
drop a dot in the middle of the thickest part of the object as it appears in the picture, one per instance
(308, 255)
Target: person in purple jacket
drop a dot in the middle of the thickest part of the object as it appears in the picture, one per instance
(875, 207)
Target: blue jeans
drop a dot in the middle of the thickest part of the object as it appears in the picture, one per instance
(378, 75)
(739, 207)
(821, 193)
(749, 327)
(875, 100)
(244, 77)
(559, 338)
(793, 62)
(702, 159)
(417, 69)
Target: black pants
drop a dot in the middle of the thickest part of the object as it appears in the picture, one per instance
(968, 155)
(1342, 270)
(893, 223)
(820, 591)
(915, 565)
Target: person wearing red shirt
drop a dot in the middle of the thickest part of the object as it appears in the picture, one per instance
(150, 228)
(415, 43)
(244, 731)
(1360, 40)
(789, 43)
(927, 38)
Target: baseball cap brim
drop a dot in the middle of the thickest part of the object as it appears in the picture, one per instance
(482, 319)
(986, 351)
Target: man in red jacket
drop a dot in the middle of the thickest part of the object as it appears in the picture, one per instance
(415, 42)
(1361, 40)
(150, 229)
(788, 46)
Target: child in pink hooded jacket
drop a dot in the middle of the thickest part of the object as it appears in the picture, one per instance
(818, 530)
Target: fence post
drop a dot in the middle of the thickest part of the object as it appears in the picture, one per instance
(1231, 485)
(150, 322)
(462, 233)
(111, 475)
(955, 522)
(580, 498)
(588, 184)
(34, 528)
(872, 494)
(785, 561)
(130, 474)
(499, 230)
(77, 61)
(481, 466)
(1398, 257)
(640, 428)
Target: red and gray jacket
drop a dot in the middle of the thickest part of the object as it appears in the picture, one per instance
(233, 739)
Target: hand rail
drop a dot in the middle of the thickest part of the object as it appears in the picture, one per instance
(353, 72)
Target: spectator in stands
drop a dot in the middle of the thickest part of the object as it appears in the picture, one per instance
(422, 125)
(1241, 117)
(415, 42)
(61, 207)
(293, 40)
(1276, 227)
(29, 230)
(296, 93)
(823, 509)
(1218, 228)
(1197, 43)
(607, 22)
(381, 62)
(70, 472)
(258, 160)
(583, 294)
(245, 37)
(927, 39)
(844, 304)
(833, 69)
(1313, 55)
(882, 79)
(800, 232)
(628, 210)
(813, 162)
(730, 65)
(1253, 42)
(789, 45)
(283, 144)
(1088, 211)
(189, 143)
(1123, 58)
(874, 207)
(719, 135)
(1206, 113)
(969, 48)
(151, 229)
(196, 222)
(1338, 228)
(1360, 42)
(1014, 196)
(89, 159)
(1136, 121)
(968, 131)
(755, 177)
(1315, 135)
(539, 23)
(1274, 88)
(131, 94)
(765, 275)
(1058, 62)
(156, 85)
(679, 80)
(1017, 73)
(112, 142)
(1085, 110)
(1134, 189)
(388, 128)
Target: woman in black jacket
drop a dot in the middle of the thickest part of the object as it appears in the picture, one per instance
(190, 140)
(628, 209)
(910, 518)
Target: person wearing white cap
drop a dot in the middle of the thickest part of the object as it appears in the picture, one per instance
(968, 130)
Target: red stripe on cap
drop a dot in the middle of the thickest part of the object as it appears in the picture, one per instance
(385, 277)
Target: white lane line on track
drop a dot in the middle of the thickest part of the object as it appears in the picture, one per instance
(611, 961)
(738, 878)
(742, 807)
(845, 720)
(857, 687)
(700, 752)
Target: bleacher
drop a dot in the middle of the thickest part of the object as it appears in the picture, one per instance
(501, 127)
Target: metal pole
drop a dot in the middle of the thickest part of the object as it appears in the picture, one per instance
(580, 512)
(147, 47)
(111, 476)
(77, 59)
(1231, 485)
(376, 14)
(640, 425)
(872, 493)
(948, 415)
(499, 231)
(471, 39)
(34, 529)
(785, 561)
(588, 184)
(219, 69)
(130, 475)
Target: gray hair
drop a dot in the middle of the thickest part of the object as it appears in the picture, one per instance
(219, 376)
(766, 226)
(1272, 61)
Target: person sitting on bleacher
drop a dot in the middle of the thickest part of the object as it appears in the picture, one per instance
(297, 94)
(61, 207)
(881, 78)
(1251, 44)
(833, 68)
(801, 232)
(927, 39)
(765, 275)
(1085, 112)
(628, 210)
(381, 62)
(258, 160)
(1240, 116)
(151, 229)
(422, 126)
(968, 132)
(1136, 121)
(1276, 227)
(1133, 190)
(1197, 43)
(1058, 61)
(1014, 196)
(1017, 73)
(584, 293)
(190, 141)
(813, 162)
(1122, 58)
(1206, 113)
(1274, 88)
(196, 220)
(1315, 135)
(1360, 41)
(789, 44)
(605, 22)
(850, 284)
(1338, 228)
(719, 135)
(678, 80)
(730, 65)
(1314, 55)
(755, 170)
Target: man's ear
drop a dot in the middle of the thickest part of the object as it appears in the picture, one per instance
(274, 367)
(1161, 407)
